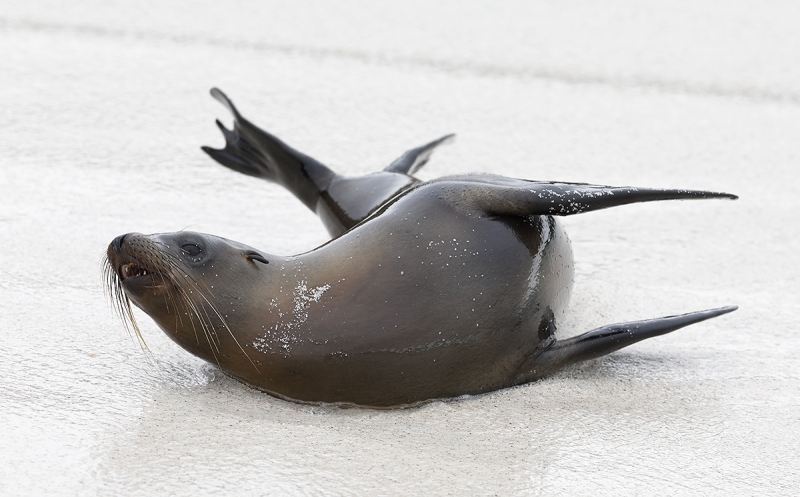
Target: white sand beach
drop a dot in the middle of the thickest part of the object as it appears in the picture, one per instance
(105, 106)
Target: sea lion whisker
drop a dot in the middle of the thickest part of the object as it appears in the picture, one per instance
(112, 291)
(129, 320)
(178, 315)
(205, 326)
(181, 273)
(105, 269)
(157, 270)
(167, 271)
(219, 315)
(225, 324)
(170, 297)
(179, 318)
(192, 308)
(121, 305)
(177, 271)
(206, 321)
(192, 313)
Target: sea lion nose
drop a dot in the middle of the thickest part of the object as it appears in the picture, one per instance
(117, 243)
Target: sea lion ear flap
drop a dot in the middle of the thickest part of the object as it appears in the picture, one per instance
(255, 256)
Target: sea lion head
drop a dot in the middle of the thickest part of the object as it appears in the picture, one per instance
(193, 285)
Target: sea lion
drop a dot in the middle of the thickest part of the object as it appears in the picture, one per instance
(453, 286)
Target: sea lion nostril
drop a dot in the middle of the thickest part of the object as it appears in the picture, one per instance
(117, 243)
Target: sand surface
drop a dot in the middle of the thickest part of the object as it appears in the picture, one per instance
(104, 107)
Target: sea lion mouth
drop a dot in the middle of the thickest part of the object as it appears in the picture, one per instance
(135, 275)
(131, 270)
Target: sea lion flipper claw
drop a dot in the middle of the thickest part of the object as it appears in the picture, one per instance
(412, 160)
(610, 338)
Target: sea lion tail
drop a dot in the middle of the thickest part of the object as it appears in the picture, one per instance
(412, 160)
(252, 151)
(610, 338)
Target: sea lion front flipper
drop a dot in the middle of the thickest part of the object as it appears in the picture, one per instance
(412, 160)
(496, 195)
(252, 151)
(608, 339)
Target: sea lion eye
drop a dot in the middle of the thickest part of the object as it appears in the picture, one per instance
(191, 249)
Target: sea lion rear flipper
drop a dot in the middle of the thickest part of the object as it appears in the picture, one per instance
(252, 151)
(608, 339)
(497, 195)
(412, 160)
